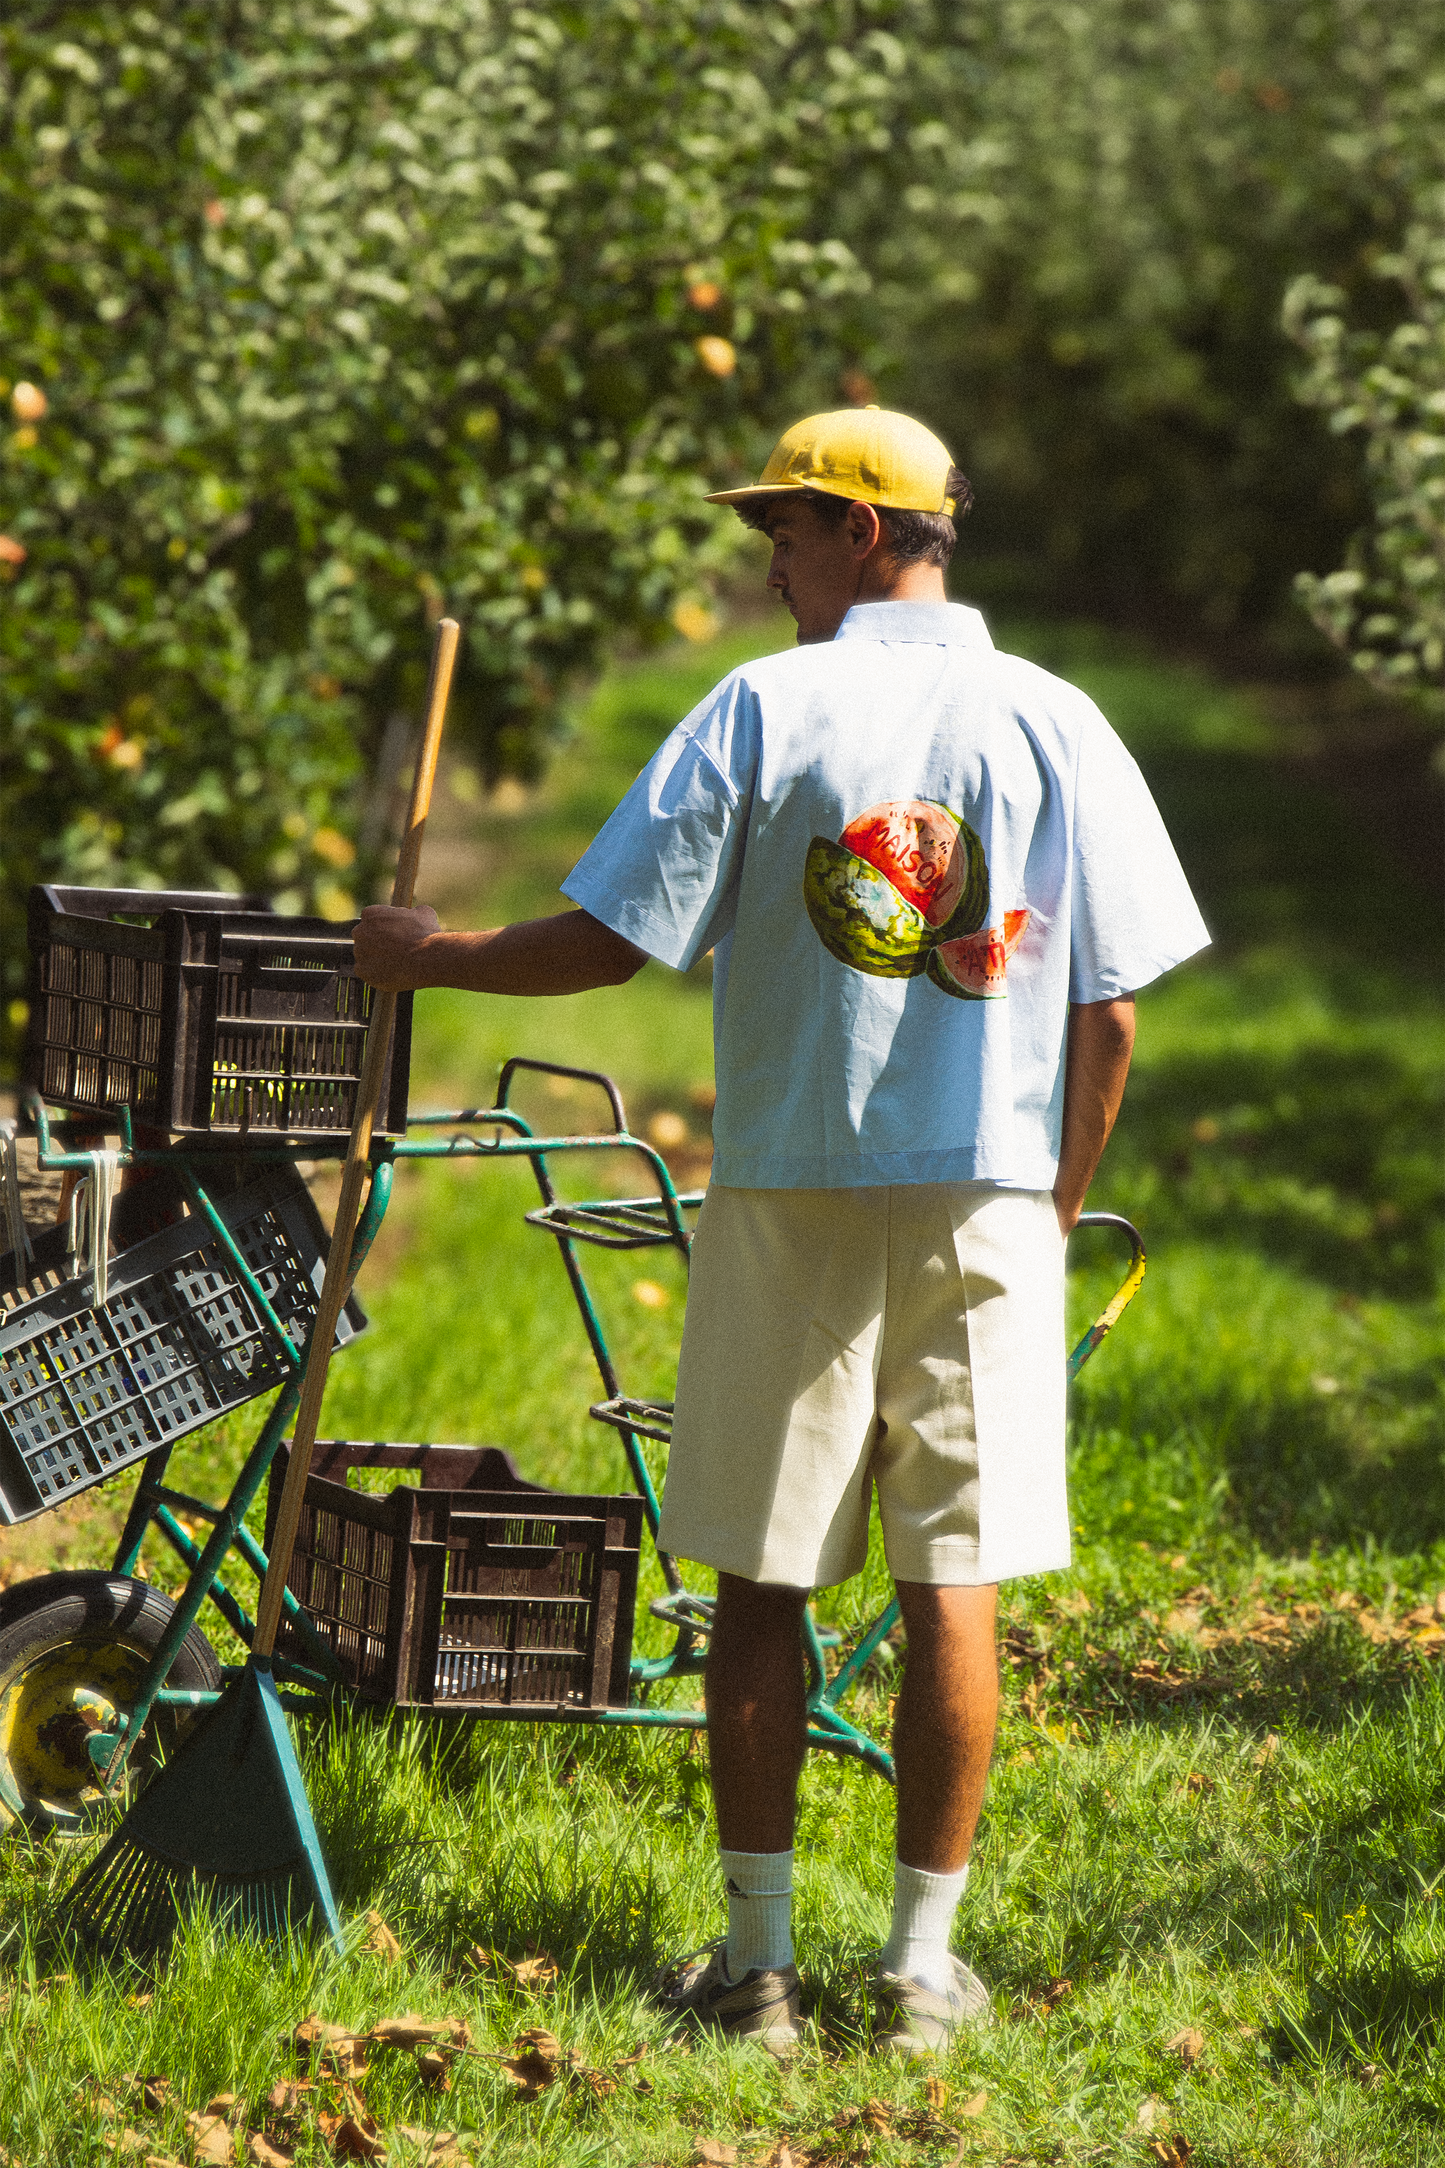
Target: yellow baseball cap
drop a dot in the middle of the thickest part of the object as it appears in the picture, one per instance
(861, 453)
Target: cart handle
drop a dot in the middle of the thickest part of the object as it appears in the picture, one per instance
(557, 1068)
(1123, 1295)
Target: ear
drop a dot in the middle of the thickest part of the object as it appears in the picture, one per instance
(865, 529)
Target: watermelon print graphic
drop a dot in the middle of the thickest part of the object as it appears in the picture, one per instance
(975, 969)
(905, 891)
(924, 851)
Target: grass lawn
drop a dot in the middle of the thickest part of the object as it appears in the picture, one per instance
(1207, 1883)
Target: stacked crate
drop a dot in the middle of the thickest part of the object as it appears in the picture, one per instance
(230, 1031)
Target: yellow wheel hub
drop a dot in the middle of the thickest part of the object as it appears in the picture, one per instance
(48, 1711)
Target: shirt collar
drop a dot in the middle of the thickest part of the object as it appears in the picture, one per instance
(929, 624)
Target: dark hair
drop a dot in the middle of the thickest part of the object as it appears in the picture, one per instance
(914, 538)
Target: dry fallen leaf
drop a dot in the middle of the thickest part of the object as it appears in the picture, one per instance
(221, 2104)
(535, 1971)
(543, 2044)
(286, 2097)
(1267, 1749)
(782, 2156)
(1171, 2152)
(263, 2154)
(536, 2060)
(1152, 2113)
(380, 1940)
(1054, 1994)
(935, 2092)
(151, 2092)
(409, 2031)
(330, 2046)
(876, 2115)
(434, 2071)
(211, 2138)
(353, 2137)
(975, 2106)
(123, 2142)
(712, 2153)
(1187, 2044)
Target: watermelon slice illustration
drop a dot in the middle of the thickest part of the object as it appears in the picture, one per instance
(904, 876)
(976, 968)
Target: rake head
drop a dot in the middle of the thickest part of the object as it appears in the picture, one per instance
(226, 1826)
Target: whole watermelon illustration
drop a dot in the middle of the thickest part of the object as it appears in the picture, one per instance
(975, 969)
(902, 877)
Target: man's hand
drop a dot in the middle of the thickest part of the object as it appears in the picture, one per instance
(1101, 1044)
(567, 954)
(390, 946)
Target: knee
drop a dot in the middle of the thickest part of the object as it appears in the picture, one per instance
(957, 1620)
(756, 1610)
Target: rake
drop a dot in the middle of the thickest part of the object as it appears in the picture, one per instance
(226, 1824)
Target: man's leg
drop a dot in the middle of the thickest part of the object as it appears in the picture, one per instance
(757, 1725)
(942, 1744)
(945, 1720)
(757, 1736)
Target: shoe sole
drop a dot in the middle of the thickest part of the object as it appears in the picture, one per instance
(909, 2047)
(770, 2025)
(909, 2037)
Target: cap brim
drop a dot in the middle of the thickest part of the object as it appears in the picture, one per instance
(756, 489)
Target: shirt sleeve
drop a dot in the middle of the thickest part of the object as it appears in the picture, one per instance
(1133, 915)
(664, 870)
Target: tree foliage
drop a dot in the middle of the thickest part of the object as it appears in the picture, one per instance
(1385, 606)
(344, 311)
(1079, 255)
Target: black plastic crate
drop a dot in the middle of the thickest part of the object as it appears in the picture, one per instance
(84, 1392)
(205, 1014)
(472, 1591)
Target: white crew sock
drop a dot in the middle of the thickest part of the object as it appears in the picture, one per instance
(923, 1909)
(759, 1889)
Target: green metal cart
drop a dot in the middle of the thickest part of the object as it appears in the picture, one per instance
(98, 1670)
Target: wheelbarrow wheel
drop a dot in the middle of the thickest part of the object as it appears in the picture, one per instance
(73, 1649)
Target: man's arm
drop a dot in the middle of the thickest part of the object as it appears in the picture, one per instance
(399, 950)
(1101, 1042)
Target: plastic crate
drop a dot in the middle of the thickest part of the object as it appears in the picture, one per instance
(470, 1591)
(207, 1015)
(85, 1392)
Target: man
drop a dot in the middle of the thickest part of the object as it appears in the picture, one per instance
(932, 879)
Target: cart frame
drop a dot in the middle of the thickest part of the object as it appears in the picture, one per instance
(655, 1219)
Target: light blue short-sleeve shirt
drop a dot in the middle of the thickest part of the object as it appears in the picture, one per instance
(909, 853)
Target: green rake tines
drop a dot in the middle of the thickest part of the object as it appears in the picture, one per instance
(227, 1829)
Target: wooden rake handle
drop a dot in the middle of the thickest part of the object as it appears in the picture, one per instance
(337, 1283)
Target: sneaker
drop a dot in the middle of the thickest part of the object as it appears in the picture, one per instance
(917, 2020)
(761, 2006)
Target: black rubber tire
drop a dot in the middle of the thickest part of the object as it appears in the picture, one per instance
(71, 1644)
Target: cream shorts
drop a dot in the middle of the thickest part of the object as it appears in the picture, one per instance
(908, 1339)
